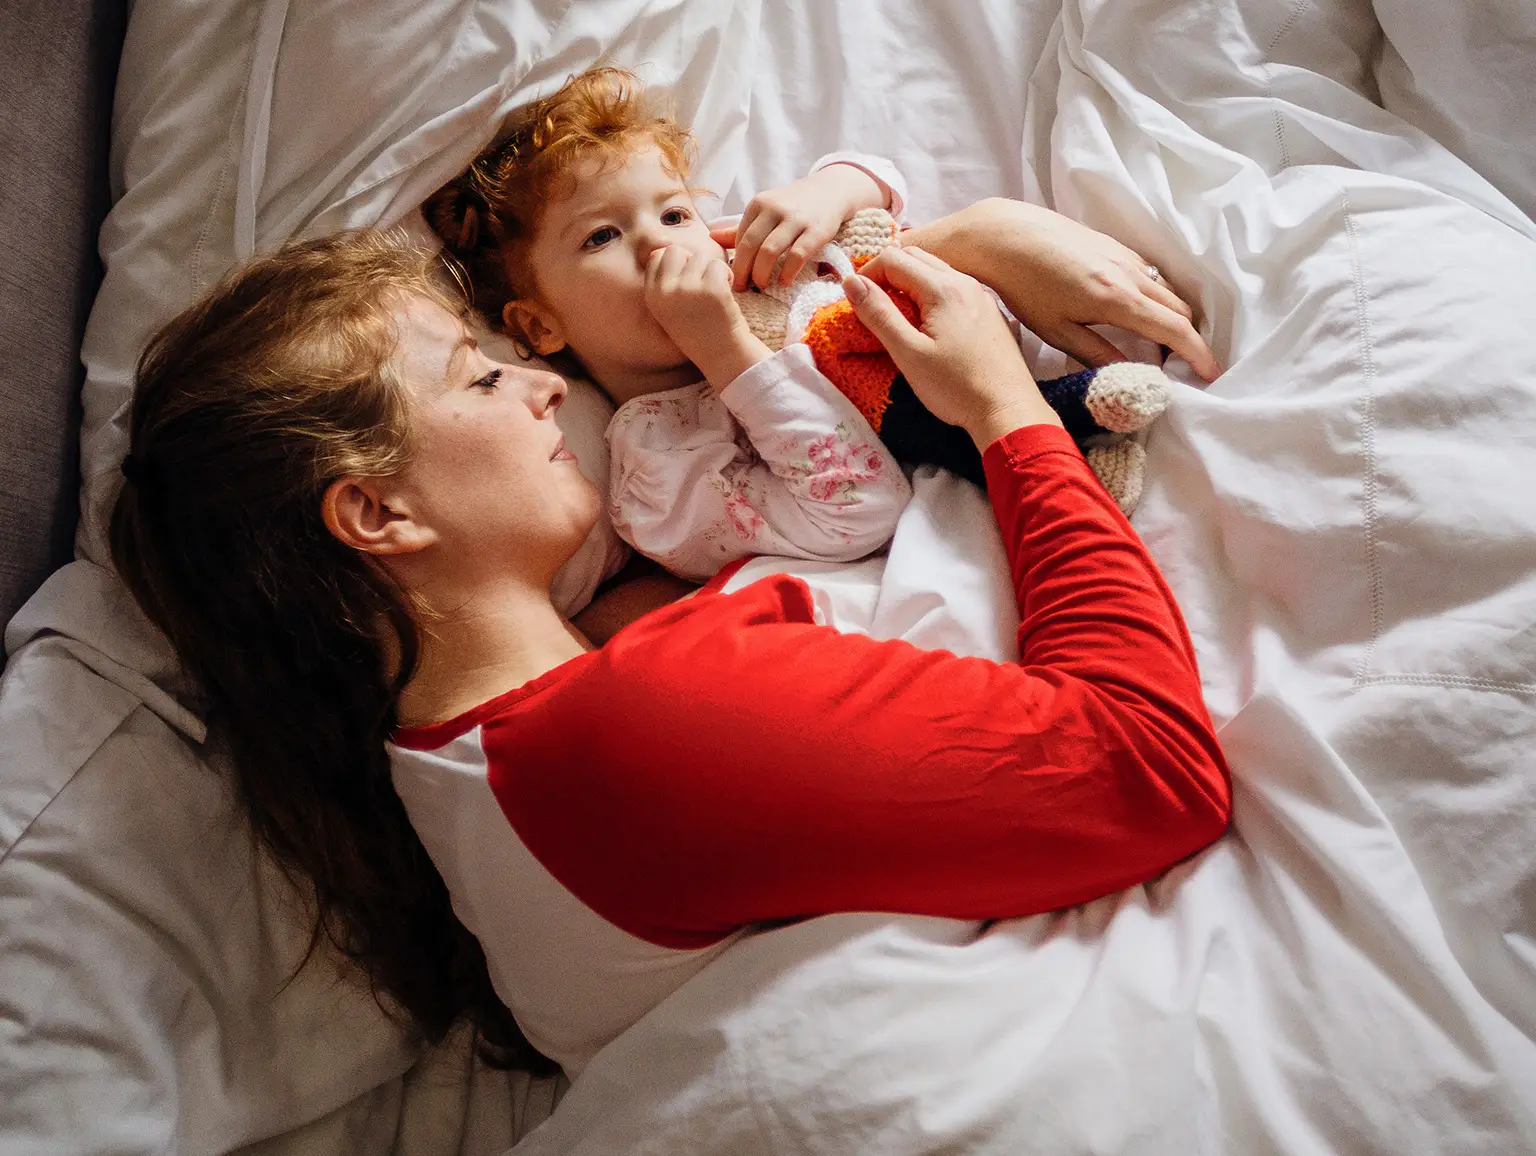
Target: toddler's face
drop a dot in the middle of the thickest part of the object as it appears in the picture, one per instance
(589, 257)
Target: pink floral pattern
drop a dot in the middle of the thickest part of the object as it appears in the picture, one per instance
(691, 487)
(741, 512)
(837, 466)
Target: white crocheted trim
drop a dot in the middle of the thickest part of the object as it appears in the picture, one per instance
(863, 235)
(834, 256)
(811, 298)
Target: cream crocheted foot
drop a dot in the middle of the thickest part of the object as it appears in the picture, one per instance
(1121, 466)
(1128, 396)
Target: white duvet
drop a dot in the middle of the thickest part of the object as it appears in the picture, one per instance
(1345, 516)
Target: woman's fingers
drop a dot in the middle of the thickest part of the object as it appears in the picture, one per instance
(1152, 321)
(1174, 330)
(1158, 290)
(920, 275)
(1085, 345)
(876, 310)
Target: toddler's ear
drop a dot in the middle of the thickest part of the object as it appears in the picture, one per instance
(535, 325)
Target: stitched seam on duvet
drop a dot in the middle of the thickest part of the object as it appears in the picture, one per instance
(199, 281)
(1453, 681)
(1368, 494)
(1269, 73)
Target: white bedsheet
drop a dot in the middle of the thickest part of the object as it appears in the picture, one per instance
(1344, 517)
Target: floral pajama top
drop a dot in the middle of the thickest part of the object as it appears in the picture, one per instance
(779, 462)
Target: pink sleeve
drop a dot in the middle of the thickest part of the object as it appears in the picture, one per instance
(885, 174)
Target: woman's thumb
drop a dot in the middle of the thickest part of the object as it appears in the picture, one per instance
(873, 307)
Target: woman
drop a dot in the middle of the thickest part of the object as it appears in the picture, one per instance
(347, 519)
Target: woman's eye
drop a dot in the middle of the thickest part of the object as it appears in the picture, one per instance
(600, 237)
(488, 381)
(675, 217)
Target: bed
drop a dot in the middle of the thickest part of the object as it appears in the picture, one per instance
(1344, 188)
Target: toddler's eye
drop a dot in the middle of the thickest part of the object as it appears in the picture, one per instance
(600, 237)
(676, 217)
(487, 382)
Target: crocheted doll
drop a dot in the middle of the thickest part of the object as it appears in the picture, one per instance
(1099, 408)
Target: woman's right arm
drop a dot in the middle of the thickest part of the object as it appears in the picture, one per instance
(754, 766)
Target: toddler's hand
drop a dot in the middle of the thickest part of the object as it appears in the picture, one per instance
(690, 296)
(794, 222)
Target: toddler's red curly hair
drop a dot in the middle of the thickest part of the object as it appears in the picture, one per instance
(487, 216)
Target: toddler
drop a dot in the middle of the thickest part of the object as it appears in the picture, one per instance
(581, 235)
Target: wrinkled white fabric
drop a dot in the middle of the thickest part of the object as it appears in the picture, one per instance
(1343, 516)
(1352, 969)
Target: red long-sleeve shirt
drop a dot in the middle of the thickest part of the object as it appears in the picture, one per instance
(727, 761)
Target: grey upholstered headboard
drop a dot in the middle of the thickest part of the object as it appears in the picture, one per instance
(58, 65)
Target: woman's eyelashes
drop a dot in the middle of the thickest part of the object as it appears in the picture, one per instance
(488, 382)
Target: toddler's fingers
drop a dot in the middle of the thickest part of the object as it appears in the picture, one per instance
(664, 267)
(803, 251)
(750, 236)
(717, 276)
(772, 248)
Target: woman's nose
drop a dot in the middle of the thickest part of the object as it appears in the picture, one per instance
(546, 393)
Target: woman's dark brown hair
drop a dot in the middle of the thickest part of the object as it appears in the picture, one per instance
(247, 406)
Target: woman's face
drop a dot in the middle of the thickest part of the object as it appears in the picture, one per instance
(489, 472)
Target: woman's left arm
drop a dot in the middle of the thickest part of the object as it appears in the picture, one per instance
(1059, 277)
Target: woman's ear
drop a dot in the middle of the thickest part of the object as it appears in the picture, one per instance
(369, 515)
(540, 328)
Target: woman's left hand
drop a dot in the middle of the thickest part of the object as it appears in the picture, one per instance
(1059, 277)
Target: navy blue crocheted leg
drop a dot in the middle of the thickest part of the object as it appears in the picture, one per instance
(1066, 396)
(916, 437)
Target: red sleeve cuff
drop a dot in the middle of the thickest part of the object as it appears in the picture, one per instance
(1028, 442)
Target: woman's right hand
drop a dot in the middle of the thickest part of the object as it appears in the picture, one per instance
(961, 359)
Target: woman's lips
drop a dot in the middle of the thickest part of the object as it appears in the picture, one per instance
(562, 454)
